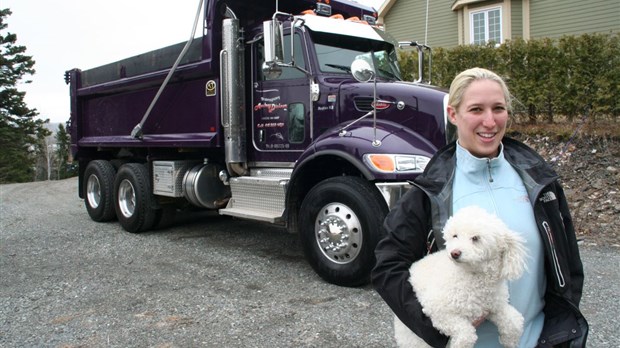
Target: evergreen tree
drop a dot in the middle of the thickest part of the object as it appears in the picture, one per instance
(63, 146)
(20, 132)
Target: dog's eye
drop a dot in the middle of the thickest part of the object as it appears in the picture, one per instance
(455, 236)
(475, 238)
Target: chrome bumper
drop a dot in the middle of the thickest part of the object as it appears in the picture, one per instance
(392, 191)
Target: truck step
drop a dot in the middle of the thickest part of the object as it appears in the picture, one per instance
(257, 198)
(252, 215)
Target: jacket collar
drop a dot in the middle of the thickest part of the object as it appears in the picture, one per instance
(468, 163)
(531, 166)
(436, 181)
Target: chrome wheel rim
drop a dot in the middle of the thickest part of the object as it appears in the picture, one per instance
(338, 233)
(93, 191)
(126, 198)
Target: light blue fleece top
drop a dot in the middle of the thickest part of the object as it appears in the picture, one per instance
(494, 185)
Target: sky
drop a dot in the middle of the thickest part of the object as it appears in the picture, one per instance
(65, 34)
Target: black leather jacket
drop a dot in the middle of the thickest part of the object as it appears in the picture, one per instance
(426, 207)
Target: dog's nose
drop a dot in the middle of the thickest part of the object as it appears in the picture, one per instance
(455, 254)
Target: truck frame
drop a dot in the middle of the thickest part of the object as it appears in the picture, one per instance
(290, 112)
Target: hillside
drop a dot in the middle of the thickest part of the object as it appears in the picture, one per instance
(589, 167)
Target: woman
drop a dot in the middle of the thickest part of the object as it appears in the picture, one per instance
(506, 178)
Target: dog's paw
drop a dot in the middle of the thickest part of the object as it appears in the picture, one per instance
(509, 322)
(510, 339)
(509, 342)
(464, 341)
(405, 338)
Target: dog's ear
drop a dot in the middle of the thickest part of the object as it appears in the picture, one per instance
(513, 255)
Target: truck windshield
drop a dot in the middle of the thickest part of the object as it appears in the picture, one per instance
(335, 54)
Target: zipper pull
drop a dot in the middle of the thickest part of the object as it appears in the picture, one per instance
(489, 167)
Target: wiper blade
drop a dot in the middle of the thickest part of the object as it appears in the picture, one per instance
(341, 67)
(388, 73)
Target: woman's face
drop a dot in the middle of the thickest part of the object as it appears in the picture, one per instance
(481, 118)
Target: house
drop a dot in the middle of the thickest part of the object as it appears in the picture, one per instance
(449, 23)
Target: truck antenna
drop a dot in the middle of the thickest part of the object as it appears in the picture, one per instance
(137, 130)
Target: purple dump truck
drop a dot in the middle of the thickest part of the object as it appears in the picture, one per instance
(291, 112)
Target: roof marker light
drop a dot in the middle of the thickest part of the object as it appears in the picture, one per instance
(323, 9)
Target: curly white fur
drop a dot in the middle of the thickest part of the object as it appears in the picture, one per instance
(467, 280)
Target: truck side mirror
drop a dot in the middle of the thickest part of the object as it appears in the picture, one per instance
(421, 48)
(274, 39)
(271, 70)
(274, 49)
(362, 70)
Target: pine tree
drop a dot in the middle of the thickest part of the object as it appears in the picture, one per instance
(63, 146)
(20, 132)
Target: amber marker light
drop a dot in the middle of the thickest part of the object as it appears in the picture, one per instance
(382, 162)
(396, 163)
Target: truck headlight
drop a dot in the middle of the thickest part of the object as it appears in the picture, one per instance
(390, 163)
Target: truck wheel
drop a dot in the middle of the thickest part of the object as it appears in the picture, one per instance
(134, 199)
(164, 217)
(99, 190)
(340, 225)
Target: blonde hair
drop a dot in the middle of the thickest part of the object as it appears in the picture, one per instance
(465, 78)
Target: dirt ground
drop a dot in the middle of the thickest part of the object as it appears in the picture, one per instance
(589, 167)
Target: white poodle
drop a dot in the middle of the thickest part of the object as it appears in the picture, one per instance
(467, 280)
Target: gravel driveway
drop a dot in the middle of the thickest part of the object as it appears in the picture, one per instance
(209, 281)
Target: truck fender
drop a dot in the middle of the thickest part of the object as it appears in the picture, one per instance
(333, 155)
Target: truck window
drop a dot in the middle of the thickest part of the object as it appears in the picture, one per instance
(287, 73)
(296, 122)
(336, 55)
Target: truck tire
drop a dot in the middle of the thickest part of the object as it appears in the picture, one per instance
(340, 225)
(99, 190)
(164, 217)
(134, 203)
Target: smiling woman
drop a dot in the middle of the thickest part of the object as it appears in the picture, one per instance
(507, 179)
(479, 110)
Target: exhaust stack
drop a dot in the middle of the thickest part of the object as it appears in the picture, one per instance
(233, 97)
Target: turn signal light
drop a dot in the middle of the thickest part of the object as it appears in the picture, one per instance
(392, 163)
(382, 162)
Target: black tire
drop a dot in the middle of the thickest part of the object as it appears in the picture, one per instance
(98, 190)
(340, 226)
(134, 203)
(164, 217)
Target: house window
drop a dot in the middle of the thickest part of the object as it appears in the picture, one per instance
(486, 25)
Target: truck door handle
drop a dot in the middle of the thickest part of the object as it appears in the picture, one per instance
(261, 135)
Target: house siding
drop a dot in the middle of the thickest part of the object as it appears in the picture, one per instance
(517, 19)
(556, 18)
(406, 20)
(443, 24)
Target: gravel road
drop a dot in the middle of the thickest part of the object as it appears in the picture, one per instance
(209, 281)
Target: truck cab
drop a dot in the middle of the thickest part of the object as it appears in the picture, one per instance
(286, 112)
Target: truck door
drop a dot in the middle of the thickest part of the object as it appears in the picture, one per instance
(281, 107)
